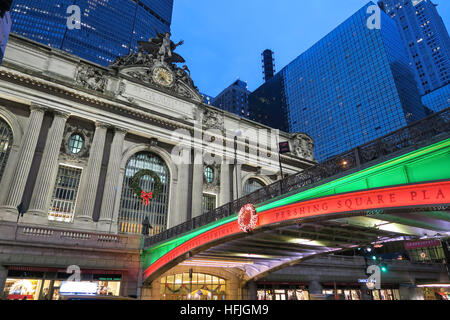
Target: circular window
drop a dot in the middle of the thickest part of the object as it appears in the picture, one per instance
(76, 143)
(209, 175)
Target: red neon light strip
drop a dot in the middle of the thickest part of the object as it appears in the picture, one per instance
(437, 193)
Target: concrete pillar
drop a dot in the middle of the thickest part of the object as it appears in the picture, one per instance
(3, 276)
(366, 294)
(108, 218)
(237, 184)
(43, 188)
(252, 291)
(315, 287)
(25, 158)
(224, 196)
(88, 189)
(410, 292)
(197, 184)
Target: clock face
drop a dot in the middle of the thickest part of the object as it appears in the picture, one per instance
(163, 76)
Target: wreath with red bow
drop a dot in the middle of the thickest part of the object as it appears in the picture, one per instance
(143, 194)
(247, 218)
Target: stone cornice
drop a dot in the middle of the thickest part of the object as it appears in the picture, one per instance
(80, 96)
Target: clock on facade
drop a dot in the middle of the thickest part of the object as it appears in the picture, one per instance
(163, 76)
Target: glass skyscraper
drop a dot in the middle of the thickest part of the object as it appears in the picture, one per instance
(438, 99)
(109, 28)
(426, 39)
(234, 99)
(351, 87)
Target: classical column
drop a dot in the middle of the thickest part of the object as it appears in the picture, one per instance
(25, 157)
(237, 184)
(107, 215)
(197, 184)
(225, 190)
(45, 181)
(183, 194)
(88, 190)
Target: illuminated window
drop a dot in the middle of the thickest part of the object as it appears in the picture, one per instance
(209, 174)
(194, 286)
(132, 208)
(76, 143)
(65, 194)
(252, 185)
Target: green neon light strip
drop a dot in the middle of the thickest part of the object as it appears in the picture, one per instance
(442, 169)
(322, 189)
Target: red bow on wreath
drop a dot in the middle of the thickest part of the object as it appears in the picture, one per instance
(146, 197)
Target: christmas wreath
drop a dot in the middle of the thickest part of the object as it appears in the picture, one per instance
(143, 193)
(247, 218)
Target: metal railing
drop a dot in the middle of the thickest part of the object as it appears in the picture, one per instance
(435, 127)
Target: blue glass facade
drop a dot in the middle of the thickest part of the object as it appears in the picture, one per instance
(426, 39)
(109, 28)
(438, 100)
(351, 87)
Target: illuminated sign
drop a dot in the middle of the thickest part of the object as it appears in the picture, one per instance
(436, 193)
(78, 288)
(409, 245)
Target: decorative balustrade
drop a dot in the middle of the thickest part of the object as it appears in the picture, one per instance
(54, 236)
(434, 128)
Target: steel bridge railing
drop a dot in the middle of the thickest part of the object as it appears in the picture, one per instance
(429, 128)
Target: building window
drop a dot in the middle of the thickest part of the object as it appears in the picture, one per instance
(76, 143)
(194, 286)
(209, 202)
(65, 194)
(132, 208)
(252, 185)
(6, 141)
(209, 175)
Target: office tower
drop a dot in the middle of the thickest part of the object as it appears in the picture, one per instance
(426, 39)
(107, 28)
(352, 86)
(5, 25)
(234, 99)
(268, 64)
(438, 99)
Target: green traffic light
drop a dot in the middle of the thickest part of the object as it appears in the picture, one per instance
(374, 258)
(384, 269)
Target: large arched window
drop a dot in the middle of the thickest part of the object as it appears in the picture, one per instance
(133, 208)
(6, 141)
(252, 185)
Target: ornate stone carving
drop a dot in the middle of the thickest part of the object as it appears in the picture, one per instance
(214, 186)
(155, 64)
(81, 156)
(91, 78)
(213, 120)
(302, 146)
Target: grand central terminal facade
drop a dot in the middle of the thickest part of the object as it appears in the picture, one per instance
(89, 153)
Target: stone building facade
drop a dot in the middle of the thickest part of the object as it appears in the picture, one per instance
(90, 152)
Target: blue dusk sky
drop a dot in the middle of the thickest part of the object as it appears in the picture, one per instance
(224, 39)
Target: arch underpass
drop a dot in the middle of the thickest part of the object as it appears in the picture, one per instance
(403, 196)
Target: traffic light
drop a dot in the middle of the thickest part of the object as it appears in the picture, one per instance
(383, 268)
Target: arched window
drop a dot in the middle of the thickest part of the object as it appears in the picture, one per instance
(6, 141)
(133, 208)
(252, 185)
